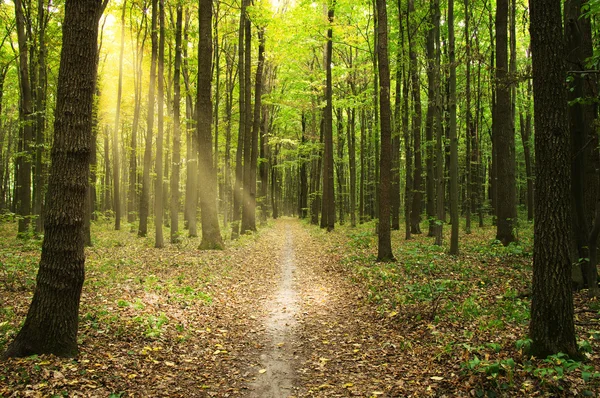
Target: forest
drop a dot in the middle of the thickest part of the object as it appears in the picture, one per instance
(296, 198)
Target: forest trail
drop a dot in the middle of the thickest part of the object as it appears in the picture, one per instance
(276, 378)
(277, 314)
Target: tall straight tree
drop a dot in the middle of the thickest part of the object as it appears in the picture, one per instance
(26, 118)
(247, 156)
(115, 138)
(453, 135)
(258, 87)
(211, 233)
(158, 186)
(239, 170)
(552, 326)
(40, 110)
(328, 202)
(578, 36)
(504, 140)
(176, 160)
(146, 182)
(415, 214)
(52, 319)
(384, 247)
(430, 126)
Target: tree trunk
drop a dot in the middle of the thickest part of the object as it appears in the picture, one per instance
(504, 140)
(38, 195)
(585, 188)
(158, 185)
(52, 319)
(176, 160)
(211, 233)
(415, 214)
(26, 116)
(238, 194)
(470, 132)
(146, 182)
(328, 205)
(551, 327)
(453, 136)
(352, 160)
(256, 125)
(430, 127)
(384, 252)
(439, 149)
(115, 138)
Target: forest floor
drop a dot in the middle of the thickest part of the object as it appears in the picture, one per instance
(293, 311)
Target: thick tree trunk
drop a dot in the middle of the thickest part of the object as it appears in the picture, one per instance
(551, 327)
(52, 320)
(211, 233)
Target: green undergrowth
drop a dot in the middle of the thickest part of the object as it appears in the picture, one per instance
(471, 309)
(131, 290)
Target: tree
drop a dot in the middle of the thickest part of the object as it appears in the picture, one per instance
(551, 327)
(384, 252)
(453, 136)
(158, 186)
(211, 233)
(145, 196)
(26, 117)
(176, 160)
(504, 140)
(52, 319)
(328, 198)
(116, 177)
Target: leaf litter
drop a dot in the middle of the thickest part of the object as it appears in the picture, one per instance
(182, 322)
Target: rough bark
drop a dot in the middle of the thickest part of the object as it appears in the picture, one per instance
(52, 319)
(551, 327)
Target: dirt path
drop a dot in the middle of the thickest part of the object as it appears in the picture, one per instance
(276, 377)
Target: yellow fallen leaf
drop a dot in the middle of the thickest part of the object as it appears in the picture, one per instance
(436, 378)
(132, 376)
(348, 385)
(262, 371)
